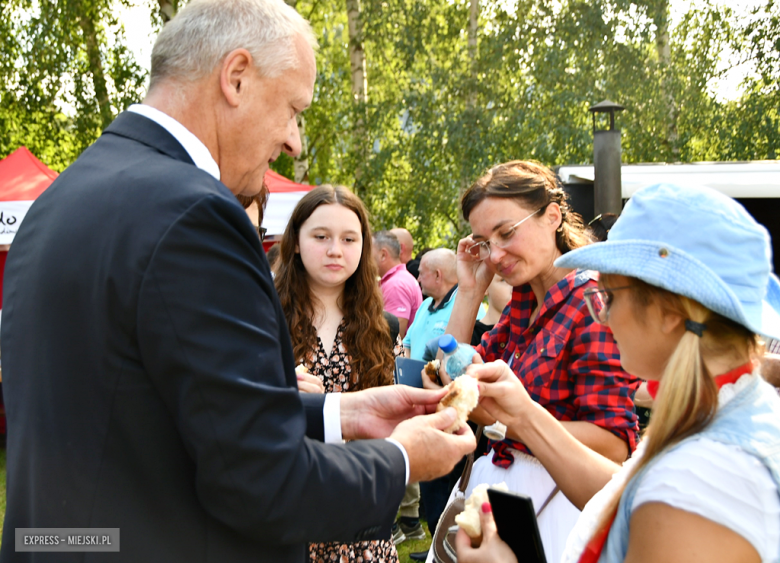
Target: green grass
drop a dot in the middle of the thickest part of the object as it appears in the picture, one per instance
(412, 546)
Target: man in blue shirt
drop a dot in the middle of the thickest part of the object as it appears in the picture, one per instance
(439, 281)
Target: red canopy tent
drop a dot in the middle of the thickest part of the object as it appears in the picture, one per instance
(279, 184)
(22, 179)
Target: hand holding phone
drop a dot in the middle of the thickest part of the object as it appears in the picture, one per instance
(491, 548)
(516, 525)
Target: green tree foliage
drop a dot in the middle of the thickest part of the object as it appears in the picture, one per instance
(66, 73)
(438, 115)
(437, 112)
(539, 65)
(750, 126)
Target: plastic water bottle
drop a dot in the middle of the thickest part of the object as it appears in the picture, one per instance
(457, 356)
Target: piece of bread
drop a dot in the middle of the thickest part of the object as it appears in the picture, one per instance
(463, 396)
(300, 369)
(468, 520)
(432, 370)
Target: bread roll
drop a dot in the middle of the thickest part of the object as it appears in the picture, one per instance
(463, 396)
(301, 369)
(432, 370)
(468, 520)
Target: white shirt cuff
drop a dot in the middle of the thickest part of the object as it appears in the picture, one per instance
(331, 415)
(406, 455)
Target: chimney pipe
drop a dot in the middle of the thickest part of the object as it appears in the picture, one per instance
(607, 188)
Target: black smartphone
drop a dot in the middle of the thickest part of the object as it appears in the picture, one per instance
(516, 524)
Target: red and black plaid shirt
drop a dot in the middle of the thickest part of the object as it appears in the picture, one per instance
(568, 363)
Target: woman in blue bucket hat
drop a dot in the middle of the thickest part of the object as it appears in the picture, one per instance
(686, 287)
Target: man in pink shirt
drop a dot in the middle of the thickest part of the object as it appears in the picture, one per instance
(401, 292)
(406, 242)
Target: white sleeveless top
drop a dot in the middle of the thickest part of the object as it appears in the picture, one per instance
(693, 478)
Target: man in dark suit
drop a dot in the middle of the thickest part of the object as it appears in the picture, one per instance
(148, 370)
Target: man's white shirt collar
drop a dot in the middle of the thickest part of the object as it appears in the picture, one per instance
(202, 158)
(198, 152)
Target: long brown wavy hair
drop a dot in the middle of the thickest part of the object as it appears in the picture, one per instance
(366, 333)
(534, 186)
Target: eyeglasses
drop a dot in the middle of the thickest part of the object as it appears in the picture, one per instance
(481, 250)
(261, 231)
(599, 301)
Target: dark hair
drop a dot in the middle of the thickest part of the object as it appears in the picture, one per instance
(366, 332)
(534, 186)
(273, 255)
(601, 225)
(261, 199)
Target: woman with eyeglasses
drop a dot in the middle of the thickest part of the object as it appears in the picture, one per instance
(326, 280)
(687, 288)
(521, 223)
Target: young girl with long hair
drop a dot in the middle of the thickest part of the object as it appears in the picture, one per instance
(687, 289)
(326, 280)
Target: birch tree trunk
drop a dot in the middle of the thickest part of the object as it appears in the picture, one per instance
(664, 52)
(168, 9)
(472, 49)
(96, 69)
(471, 100)
(357, 60)
(300, 162)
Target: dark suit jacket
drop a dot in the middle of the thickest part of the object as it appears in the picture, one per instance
(149, 377)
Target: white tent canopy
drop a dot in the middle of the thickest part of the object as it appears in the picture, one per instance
(757, 179)
(282, 198)
(279, 209)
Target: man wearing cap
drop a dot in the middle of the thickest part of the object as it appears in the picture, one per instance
(149, 377)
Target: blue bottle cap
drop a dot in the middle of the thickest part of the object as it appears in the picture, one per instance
(448, 343)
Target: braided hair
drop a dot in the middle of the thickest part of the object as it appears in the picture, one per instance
(534, 186)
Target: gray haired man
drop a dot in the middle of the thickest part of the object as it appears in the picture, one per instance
(148, 371)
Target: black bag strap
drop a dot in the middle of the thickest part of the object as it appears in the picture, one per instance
(466, 475)
(546, 502)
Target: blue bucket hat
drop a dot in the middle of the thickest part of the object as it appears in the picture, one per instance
(695, 242)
